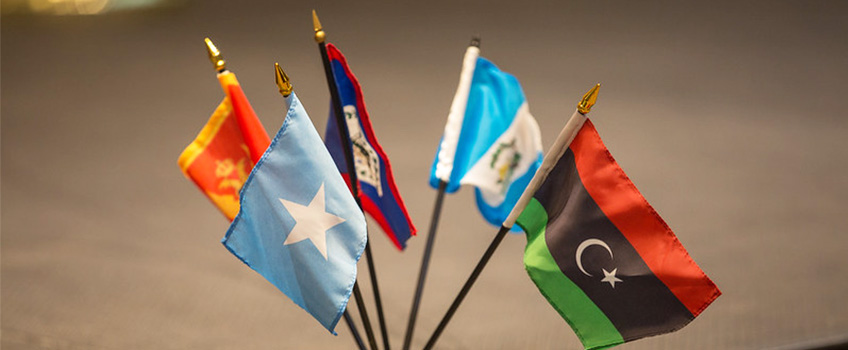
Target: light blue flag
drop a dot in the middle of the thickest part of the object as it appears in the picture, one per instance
(299, 226)
(491, 140)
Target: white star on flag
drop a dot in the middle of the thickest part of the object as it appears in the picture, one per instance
(610, 277)
(311, 221)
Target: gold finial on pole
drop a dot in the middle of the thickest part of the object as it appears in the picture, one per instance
(588, 100)
(319, 31)
(283, 81)
(215, 56)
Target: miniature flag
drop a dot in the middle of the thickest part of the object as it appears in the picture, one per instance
(299, 226)
(222, 155)
(602, 256)
(379, 195)
(491, 140)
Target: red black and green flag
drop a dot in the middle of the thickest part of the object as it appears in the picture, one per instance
(602, 256)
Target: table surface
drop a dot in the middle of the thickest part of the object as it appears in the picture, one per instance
(730, 118)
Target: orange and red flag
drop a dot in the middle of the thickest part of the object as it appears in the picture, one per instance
(224, 152)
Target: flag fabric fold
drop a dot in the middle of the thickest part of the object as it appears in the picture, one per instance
(222, 155)
(299, 226)
(378, 192)
(491, 141)
(602, 256)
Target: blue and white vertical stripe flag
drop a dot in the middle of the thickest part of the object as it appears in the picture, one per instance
(299, 226)
(491, 141)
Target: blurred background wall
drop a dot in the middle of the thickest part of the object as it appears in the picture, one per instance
(730, 117)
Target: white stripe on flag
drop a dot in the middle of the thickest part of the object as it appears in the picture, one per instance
(447, 149)
(507, 159)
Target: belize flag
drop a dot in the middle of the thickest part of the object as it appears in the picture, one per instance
(379, 195)
(491, 140)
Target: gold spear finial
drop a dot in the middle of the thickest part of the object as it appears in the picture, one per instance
(283, 81)
(588, 100)
(215, 56)
(319, 31)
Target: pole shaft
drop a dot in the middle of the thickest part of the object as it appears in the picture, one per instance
(360, 305)
(377, 300)
(341, 124)
(425, 264)
(471, 279)
(355, 332)
(344, 136)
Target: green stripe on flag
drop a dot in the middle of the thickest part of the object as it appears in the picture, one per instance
(591, 325)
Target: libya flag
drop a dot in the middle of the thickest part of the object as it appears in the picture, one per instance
(603, 257)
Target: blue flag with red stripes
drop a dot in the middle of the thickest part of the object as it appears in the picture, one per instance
(379, 195)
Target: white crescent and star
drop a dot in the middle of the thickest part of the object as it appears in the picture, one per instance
(311, 221)
(609, 277)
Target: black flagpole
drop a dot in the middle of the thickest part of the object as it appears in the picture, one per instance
(428, 249)
(286, 89)
(471, 279)
(425, 263)
(344, 135)
(360, 305)
(354, 331)
(372, 273)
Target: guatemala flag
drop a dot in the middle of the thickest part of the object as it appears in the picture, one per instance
(299, 226)
(491, 141)
(380, 196)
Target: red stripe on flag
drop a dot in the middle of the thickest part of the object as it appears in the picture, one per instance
(254, 133)
(628, 210)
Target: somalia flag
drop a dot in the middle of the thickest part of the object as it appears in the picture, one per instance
(298, 226)
(379, 195)
(601, 255)
(491, 141)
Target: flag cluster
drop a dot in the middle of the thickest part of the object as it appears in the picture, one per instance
(294, 219)
(596, 250)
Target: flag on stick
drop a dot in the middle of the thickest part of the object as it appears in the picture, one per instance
(299, 226)
(224, 152)
(341, 123)
(599, 253)
(491, 140)
(377, 189)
